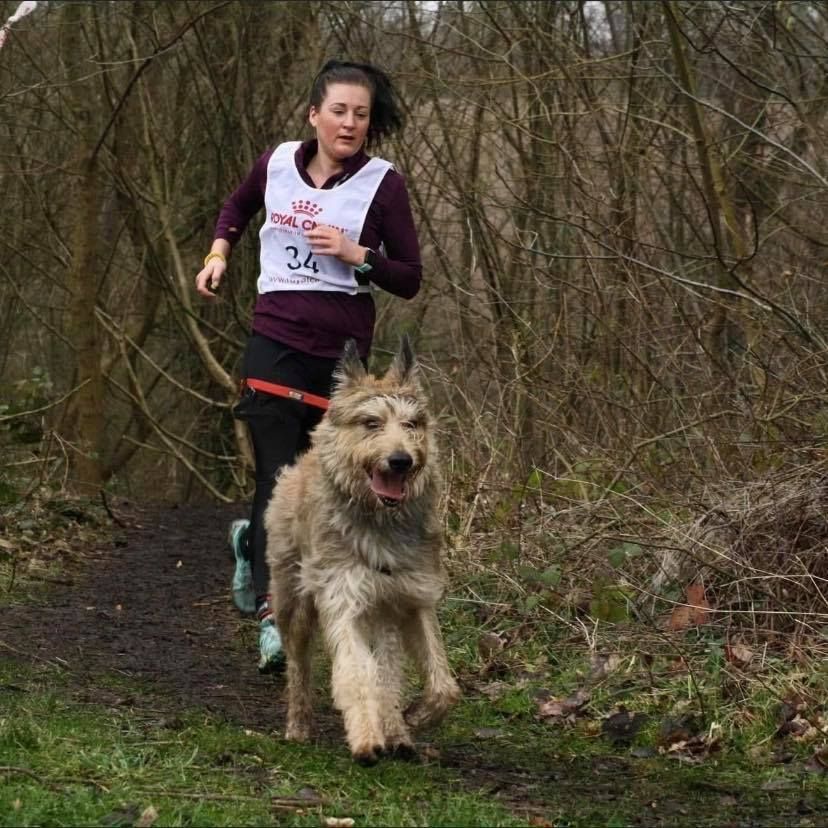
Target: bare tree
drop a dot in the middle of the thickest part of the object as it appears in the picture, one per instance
(619, 207)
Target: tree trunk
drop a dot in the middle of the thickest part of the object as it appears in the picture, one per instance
(83, 418)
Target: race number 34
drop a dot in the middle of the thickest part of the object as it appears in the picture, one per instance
(309, 264)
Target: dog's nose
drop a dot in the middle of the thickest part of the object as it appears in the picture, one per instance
(400, 461)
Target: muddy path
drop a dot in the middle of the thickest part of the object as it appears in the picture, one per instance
(152, 607)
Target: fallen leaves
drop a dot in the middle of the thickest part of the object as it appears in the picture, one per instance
(602, 665)
(818, 763)
(622, 726)
(488, 733)
(738, 654)
(494, 690)
(305, 799)
(565, 709)
(801, 721)
(684, 739)
(678, 729)
(147, 818)
(126, 814)
(490, 644)
(430, 753)
(799, 728)
(694, 613)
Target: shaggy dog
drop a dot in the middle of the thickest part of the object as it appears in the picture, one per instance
(354, 546)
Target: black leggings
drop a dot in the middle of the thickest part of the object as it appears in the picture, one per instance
(279, 427)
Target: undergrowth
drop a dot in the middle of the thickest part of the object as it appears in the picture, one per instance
(599, 671)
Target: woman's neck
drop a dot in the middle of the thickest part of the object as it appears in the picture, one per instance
(321, 167)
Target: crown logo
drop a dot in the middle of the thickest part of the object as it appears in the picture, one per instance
(306, 208)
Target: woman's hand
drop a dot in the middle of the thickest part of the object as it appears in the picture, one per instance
(328, 241)
(208, 279)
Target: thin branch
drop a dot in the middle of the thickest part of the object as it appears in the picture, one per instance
(6, 417)
(140, 70)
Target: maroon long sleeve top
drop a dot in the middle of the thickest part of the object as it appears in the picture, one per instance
(319, 322)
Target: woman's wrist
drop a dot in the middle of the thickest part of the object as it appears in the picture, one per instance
(214, 254)
(358, 256)
(219, 249)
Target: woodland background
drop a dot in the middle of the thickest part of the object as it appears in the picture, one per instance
(621, 207)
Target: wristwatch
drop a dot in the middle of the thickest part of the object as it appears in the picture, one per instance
(370, 260)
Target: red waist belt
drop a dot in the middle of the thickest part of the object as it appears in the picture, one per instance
(285, 391)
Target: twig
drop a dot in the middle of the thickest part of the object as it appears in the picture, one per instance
(32, 655)
(109, 511)
(161, 792)
(5, 417)
(137, 74)
(293, 803)
(53, 782)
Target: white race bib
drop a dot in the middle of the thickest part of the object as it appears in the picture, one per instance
(287, 262)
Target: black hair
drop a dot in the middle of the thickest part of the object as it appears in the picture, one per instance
(386, 114)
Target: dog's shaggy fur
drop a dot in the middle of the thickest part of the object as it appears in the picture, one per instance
(354, 547)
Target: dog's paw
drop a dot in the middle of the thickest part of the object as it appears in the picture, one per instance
(298, 731)
(417, 714)
(404, 751)
(367, 756)
(431, 709)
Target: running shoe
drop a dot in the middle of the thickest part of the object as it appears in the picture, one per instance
(242, 587)
(271, 654)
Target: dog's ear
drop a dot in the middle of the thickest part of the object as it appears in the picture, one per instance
(404, 369)
(349, 369)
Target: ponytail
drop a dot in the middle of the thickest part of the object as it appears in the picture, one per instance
(386, 115)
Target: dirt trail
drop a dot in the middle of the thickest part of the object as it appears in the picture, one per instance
(154, 606)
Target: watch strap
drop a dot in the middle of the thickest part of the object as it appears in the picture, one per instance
(368, 264)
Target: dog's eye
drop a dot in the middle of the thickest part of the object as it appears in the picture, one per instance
(372, 424)
(411, 425)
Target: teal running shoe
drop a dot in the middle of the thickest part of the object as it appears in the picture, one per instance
(244, 596)
(271, 654)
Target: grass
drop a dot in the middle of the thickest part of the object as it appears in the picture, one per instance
(66, 762)
(115, 754)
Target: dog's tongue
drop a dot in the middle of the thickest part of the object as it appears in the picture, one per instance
(388, 484)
